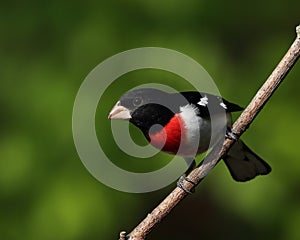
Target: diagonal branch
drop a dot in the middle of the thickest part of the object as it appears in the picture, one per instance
(242, 123)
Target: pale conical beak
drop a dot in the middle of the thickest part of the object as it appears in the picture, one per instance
(119, 112)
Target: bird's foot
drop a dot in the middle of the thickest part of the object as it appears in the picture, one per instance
(231, 134)
(181, 185)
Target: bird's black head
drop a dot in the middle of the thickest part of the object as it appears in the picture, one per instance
(144, 107)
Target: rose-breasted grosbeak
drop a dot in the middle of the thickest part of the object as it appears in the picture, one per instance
(185, 124)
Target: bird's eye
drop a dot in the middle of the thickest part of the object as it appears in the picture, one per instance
(137, 101)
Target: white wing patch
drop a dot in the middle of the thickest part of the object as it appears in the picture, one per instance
(203, 101)
(223, 105)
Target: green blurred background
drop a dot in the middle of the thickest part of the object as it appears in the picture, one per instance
(48, 48)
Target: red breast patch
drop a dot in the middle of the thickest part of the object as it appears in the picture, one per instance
(169, 138)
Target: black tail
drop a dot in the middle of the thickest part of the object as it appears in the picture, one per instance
(244, 164)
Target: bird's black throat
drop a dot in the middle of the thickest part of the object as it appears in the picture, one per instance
(151, 117)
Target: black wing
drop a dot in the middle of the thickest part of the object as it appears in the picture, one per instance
(209, 104)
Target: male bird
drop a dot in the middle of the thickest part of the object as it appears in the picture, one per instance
(187, 124)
